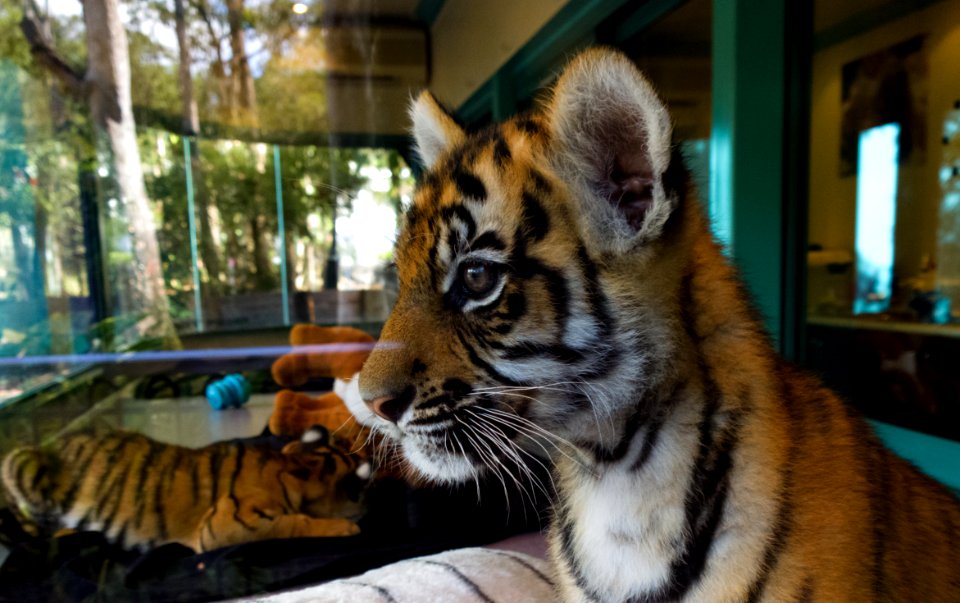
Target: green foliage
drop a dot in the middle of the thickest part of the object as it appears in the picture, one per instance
(233, 171)
(237, 186)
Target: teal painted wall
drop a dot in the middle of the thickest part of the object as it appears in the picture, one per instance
(747, 146)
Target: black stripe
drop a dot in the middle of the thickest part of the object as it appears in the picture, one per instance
(654, 427)
(483, 364)
(42, 471)
(781, 530)
(70, 497)
(806, 592)
(116, 487)
(380, 590)
(146, 464)
(706, 494)
(164, 487)
(112, 467)
(540, 182)
(195, 480)
(783, 523)
(599, 304)
(501, 151)
(457, 388)
(458, 241)
(554, 351)
(603, 454)
(528, 125)
(556, 283)
(473, 586)
(418, 367)
(571, 558)
(516, 307)
(27, 456)
(215, 462)
(703, 518)
(432, 264)
(536, 223)
(525, 564)
(237, 468)
(469, 186)
(606, 357)
(488, 240)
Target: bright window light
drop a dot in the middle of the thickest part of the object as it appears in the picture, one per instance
(876, 217)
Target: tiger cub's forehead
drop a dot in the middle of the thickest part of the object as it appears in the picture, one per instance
(489, 185)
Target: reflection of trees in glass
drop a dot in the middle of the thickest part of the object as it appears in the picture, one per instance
(103, 87)
(243, 74)
(239, 179)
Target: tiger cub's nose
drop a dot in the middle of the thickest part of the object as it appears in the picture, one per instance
(392, 408)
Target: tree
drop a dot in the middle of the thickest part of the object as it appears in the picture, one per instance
(105, 88)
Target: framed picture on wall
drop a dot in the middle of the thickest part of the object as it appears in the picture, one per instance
(886, 87)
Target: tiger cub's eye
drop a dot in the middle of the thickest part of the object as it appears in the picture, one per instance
(479, 278)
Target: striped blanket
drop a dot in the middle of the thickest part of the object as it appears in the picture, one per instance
(476, 575)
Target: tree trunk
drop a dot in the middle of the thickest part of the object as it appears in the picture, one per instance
(263, 267)
(191, 116)
(108, 77)
(241, 77)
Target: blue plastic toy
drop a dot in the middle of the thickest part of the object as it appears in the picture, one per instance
(232, 391)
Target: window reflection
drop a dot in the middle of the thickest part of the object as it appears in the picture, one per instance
(876, 217)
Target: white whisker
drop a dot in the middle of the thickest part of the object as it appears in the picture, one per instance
(509, 448)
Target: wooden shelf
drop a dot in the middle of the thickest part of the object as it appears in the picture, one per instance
(893, 326)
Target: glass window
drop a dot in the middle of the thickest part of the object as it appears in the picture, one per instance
(882, 299)
(252, 180)
(181, 182)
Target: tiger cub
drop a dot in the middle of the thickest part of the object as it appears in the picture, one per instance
(142, 493)
(560, 289)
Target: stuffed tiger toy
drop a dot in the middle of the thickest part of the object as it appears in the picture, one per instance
(560, 289)
(142, 493)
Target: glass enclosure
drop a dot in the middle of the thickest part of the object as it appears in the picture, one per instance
(254, 180)
(183, 181)
(883, 309)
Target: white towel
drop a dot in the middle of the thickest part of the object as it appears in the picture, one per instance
(475, 575)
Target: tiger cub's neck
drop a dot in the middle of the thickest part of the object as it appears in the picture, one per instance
(662, 499)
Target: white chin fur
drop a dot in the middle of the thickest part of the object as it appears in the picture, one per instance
(438, 466)
(349, 392)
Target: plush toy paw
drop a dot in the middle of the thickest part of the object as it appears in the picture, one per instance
(295, 412)
(344, 351)
(340, 353)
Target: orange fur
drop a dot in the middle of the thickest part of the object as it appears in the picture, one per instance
(140, 492)
(691, 464)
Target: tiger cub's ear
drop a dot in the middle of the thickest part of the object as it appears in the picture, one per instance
(612, 137)
(434, 131)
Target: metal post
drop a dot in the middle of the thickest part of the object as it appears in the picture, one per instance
(281, 236)
(747, 151)
(192, 225)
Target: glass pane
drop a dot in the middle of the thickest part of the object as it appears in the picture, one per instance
(182, 182)
(882, 305)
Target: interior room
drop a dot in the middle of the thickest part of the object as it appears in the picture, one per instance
(200, 199)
